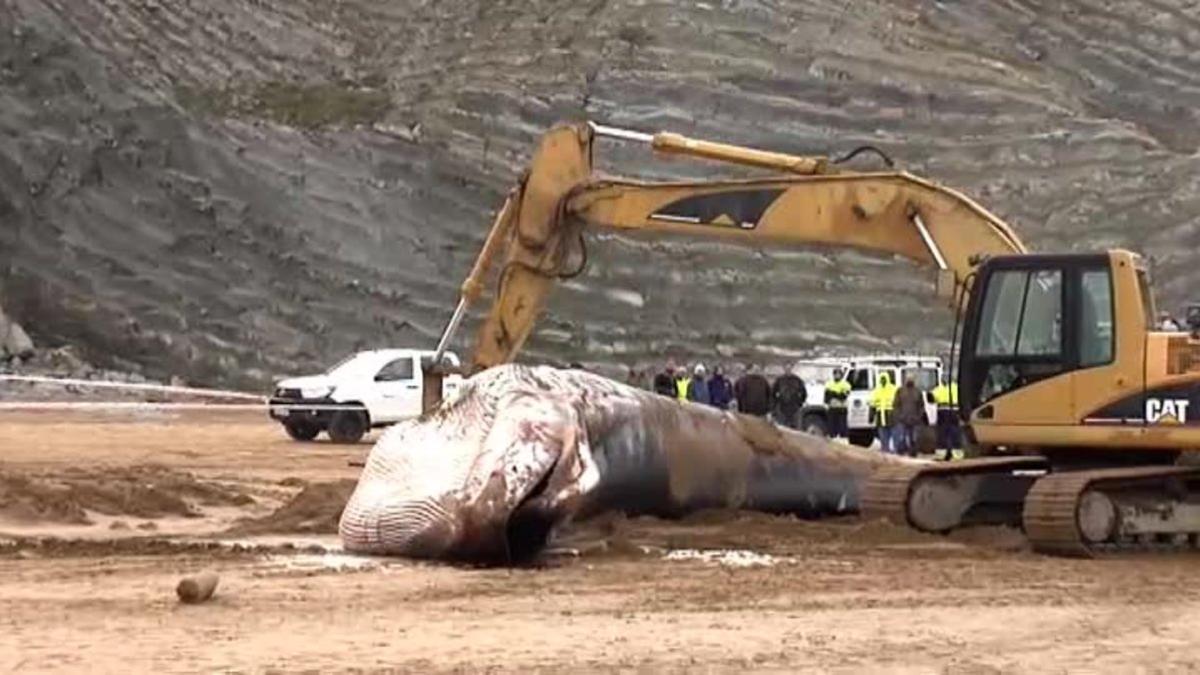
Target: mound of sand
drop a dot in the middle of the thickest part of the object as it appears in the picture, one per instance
(141, 492)
(314, 510)
(27, 500)
(720, 529)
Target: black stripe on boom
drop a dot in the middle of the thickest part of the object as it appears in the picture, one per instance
(742, 208)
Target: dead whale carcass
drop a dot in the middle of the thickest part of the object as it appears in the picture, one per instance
(488, 475)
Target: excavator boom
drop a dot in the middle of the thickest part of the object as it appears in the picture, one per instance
(808, 202)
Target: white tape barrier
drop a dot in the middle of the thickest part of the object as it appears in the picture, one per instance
(123, 405)
(132, 386)
(260, 402)
(283, 408)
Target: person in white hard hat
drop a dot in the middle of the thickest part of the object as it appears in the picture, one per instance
(698, 389)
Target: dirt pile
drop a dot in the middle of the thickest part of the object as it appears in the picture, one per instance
(29, 500)
(141, 492)
(314, 510)
(615, 535)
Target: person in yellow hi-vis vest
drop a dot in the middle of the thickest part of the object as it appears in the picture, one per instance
(682, 384)
(949, 434)
(837, 391)
(883, 398)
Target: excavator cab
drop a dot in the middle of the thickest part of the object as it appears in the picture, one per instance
(1031, 319)
(1080, 407)
(1053, 348)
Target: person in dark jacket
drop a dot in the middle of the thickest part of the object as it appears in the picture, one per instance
(789, 396)
(753, 393)
(719, 389)
(909, 407)
(697, 390)
(664, 381)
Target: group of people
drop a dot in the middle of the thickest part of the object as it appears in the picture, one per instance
(898, 414)
(897, 411)
(751, 393)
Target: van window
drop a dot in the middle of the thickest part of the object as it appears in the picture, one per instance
(925, 378)
(860, 380)
(891, 376)
(397, 371)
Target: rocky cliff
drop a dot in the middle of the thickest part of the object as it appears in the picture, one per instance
(232, 189)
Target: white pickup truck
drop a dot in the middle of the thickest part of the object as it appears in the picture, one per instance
(366, 390)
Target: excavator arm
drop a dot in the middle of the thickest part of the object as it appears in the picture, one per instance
(538, 232)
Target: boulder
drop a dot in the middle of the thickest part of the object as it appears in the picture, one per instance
(14, 341)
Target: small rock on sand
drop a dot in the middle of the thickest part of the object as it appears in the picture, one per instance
(197, 589)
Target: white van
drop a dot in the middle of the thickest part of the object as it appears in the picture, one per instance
(863, 374)
(363, 391)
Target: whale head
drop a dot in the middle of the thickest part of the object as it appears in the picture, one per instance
(483, 478)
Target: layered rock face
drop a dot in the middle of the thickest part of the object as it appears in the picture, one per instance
(230, 190)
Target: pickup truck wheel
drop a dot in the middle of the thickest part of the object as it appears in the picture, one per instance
(347, 426)
(863, 438)
(301, 430)
(814, 425)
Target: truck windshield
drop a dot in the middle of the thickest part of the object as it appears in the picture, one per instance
(355, 363)
(339, 364)
(813, 373)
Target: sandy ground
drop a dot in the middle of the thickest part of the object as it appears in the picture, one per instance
(717, 592)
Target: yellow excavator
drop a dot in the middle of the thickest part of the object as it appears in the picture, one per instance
(1077, 410)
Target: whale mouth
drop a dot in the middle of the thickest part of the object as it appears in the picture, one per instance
(530, 524)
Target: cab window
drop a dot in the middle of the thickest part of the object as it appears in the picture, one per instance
(1020, 339)
(1096, 337)
(397, 371)
(1148, 308)
(1022, 314)
(1041, 318)
(1001, 313)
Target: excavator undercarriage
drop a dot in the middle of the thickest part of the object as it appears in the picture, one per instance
(1077, 512)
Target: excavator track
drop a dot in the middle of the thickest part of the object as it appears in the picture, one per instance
(886, 493)
(890, 493)
(1105, 511)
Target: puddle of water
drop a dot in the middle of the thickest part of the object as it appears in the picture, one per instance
(327, 543)
(336, 562)
(727, 558)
